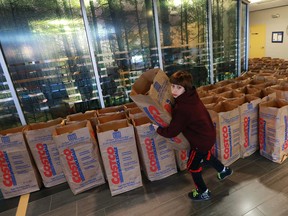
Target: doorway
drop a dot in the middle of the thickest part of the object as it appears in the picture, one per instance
(257, 41)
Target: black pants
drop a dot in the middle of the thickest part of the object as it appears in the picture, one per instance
(195, 168)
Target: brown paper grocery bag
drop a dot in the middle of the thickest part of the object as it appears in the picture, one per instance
(135, 112)
(90, 115)
(221, 89)
(236, 85)
(79, 156)
(226, 119)
(130, 105)
(281, 91)
(119, 154)
(207, 88)
(45, 152)
(273, 129)
(110, 110)
(265, 94)
(249, 111)
(248, 90)
(182, 157)
(233, 94)
(211, 101)
(18, 174)
(156, 154)
(152, 93)
(113, 116)
(204, 93)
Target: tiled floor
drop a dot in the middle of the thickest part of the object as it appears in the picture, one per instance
(258, 187)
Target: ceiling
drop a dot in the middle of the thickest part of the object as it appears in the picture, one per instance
(266, 4)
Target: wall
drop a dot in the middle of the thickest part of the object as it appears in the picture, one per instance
(264, 17)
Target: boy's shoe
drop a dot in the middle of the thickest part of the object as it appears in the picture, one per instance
(225, 173)
(197, 196)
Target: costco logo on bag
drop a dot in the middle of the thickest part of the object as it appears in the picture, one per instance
(226, 131)
(6, 168)
(152, 154)
(167, 106)
(285, 145)
(154, 114)
(74, 166)
(45, 159)
(246, 131)
(262, 134)
(184, 155)
(115, 166)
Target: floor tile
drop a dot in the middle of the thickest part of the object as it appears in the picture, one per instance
(275, 206)
(38, 207)
(254, 212)
(68, 209)
(10, 212)
(178, 206)
(99, 200)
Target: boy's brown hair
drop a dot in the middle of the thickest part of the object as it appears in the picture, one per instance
(182, 78)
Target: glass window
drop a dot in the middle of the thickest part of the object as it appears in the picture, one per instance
(47, 56)
(224, 29)
(183, 30)
(8, 113)
(124, 39)
(243, 48)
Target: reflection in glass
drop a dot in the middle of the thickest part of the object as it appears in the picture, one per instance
(124, 39)
(8, 113)
(224, 25)
(47, 56)
(183, 29)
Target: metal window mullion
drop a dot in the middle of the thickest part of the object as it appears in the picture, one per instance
(247, 37)
(11, 88)
(155, 12)
(92, 52)
(210, 41)
(239, 17)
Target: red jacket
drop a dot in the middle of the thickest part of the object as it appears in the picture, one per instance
(191, 117)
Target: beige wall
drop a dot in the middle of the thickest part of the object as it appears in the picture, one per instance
(264, 17)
